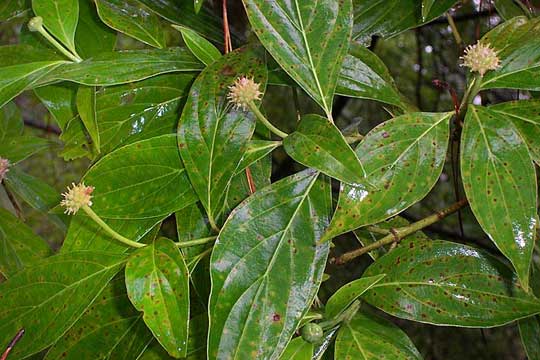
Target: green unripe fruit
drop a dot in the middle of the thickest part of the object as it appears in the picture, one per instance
(312, 333)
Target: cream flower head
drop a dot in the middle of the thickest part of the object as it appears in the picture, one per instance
(76, 197)
(480, 58)
(4, 168)
(243, 91)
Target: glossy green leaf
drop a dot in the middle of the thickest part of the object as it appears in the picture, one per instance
(13, 8)
(11, 122)
(525, 115)
(157, 281)
(508, 9)
(182, 13)
(60, 100)
(16, 149)
(518, 43)
(142, 180)
(76, 141)
(265, 278)
(120, 67)
(348, 293)
(308, 40)
(445, 283)
(363, 75)
(84, 234)
(140, 110)
(93, 36)
(212, 135)
(197, 4)
(18, 73)
(500, 183)
(86, 105)
(203, 49)
(134, 19)
(403, 158)
(387, 18)
(20, 246)
(298, 349)
(256, 150)
(110, 329)
(319, 144)
(60, 18)
(46, 302)
(370, 337)
(529, 330)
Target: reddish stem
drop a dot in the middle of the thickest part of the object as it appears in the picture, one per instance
(12, 344)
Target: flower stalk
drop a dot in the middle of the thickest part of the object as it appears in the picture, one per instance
(36, 25)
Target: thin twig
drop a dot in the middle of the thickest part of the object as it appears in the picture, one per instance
(397, 235)
(12, 344)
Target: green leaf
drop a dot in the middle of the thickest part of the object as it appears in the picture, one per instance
(60, 18)
(444, 283)
(110, 329)
(157, 281)
(212, 135)
(60, 100)
(86, 105)
(529, 330)
(93, 36)
(142, 180)
(403, 158)
(308, 40)
(388, 18)
(13, 8)
(525, 115)
(203, 49)
(348, 293)
(265, 278)
(426, 8)
(140, 110)
(49, 297)
(256, 150)
(19, 73)
(370, 337)
(120, 67)
(518, 44)
(134, 19)
(363, 75)
(35, 192)
(16, 149)
(182, 13)
(319, 144)
(76, 141)
(20, 246)
(84, 234)
(508, 9)
(500, 183)
(298, 349)
(11, 122)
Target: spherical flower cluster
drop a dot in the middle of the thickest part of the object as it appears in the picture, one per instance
(4, 168)
(243, 91)
(35, 23)
(76, 197)
(480, 58)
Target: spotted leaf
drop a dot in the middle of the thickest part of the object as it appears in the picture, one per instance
(264, 278)
(157, 281)
(500, 183)
(444, 283)
(403, 159)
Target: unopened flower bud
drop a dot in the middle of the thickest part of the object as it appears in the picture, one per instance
(4, 168)
(243, 91)
(480, 58)
(35, 23)
(76, 197)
